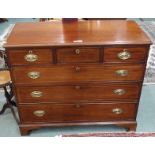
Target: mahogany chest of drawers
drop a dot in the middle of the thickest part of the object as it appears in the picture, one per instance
(77, 73)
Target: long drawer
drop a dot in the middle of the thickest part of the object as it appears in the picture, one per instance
(78, 92)
(77, 112)
(65, 73)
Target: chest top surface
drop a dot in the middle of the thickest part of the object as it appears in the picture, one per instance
(97, 32)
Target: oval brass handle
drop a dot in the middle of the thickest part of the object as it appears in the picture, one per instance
(124, 55)
(30, 57)
(77, 87)
(119, 91)
(33, 75)
(117, 111)
(36, 94)
(77, 69)
(39, 113)
(122, 72)
(77, 51)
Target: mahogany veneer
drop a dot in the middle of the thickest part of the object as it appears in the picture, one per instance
(16, 56)
(80, 93)
(77, 73)
(77, 112)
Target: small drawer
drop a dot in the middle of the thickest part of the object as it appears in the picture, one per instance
(30, 56)
(78, 92)
(125, 54)
(79, 54)
(77, 73)
(77, 112)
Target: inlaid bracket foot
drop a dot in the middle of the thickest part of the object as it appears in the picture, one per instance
(24, 131)
(131, 127)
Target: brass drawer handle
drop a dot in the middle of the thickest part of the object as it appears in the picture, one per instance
(119, 92)
(33, 75)
(117, 111)
(124, 55)
(39, 113)
(30, 57)
(36, 94)
(77, 69)
(77, 87)
(77, 51)
(122, 72)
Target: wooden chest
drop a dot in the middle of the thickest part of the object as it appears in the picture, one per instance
(77, 73)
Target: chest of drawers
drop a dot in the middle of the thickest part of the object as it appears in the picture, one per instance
(77, 73)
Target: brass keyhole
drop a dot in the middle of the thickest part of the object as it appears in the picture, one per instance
(77, 87)
(77, 69)
(77, 105)
(77, 51)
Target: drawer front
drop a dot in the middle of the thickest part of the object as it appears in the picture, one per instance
(123, 54)
(79, 92)
(77, 112)
(72, 55)
(30, 57)
(36, 75)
